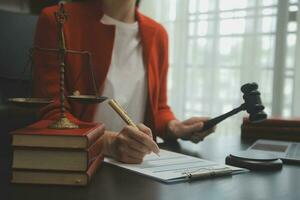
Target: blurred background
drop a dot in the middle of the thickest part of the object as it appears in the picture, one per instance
(218, 45)
(215, 47)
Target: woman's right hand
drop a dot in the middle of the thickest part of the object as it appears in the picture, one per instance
(129, 145)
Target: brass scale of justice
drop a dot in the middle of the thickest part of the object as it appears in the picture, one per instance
(63, 122)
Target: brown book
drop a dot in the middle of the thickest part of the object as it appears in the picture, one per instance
(274, 122)
(56, 177)
(275, 133)
(39, 135)
(272, 130)
(250, 135)
(55, 159)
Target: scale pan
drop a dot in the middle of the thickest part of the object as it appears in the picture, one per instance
(87, 99)
(30, 102)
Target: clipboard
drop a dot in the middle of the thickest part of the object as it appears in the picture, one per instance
(173, 167)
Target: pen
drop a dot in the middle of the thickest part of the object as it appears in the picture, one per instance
(122, 113)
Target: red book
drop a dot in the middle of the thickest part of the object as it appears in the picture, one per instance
(55, 159)
(57, 177)
(270, 132)
(274, 122)
(39, 135)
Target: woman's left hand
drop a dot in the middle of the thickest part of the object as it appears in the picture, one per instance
(190, 129)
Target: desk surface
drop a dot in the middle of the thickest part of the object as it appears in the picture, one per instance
(114, 183)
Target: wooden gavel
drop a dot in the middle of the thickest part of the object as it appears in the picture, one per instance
(253, 105)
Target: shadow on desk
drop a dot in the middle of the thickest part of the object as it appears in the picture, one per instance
(108, 183)
(31, 192)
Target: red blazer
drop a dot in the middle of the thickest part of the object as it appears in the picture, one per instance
(83, 31)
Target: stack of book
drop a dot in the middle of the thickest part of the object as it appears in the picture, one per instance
(60, 157)
(272, 128)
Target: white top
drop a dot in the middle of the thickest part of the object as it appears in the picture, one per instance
(126, 78)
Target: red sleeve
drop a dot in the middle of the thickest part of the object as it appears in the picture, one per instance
(164, 114)
(46, 66)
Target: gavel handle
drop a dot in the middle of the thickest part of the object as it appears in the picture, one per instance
(212, 122)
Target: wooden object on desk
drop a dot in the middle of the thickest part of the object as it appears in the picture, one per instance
(57, 177)
(39, 135)
(56, 156)
(273, 128)
(275, 122)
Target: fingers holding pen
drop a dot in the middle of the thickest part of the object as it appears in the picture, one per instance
(128, 155)
(143, 136)
(127, 150)
(145, 130)
(137, 146)
(131, 145)
(132, 134)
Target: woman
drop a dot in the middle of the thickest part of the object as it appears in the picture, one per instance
(130, 59)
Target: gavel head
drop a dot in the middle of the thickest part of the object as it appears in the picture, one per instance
(253, 104)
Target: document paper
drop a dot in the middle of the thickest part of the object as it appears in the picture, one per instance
(172, 167)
